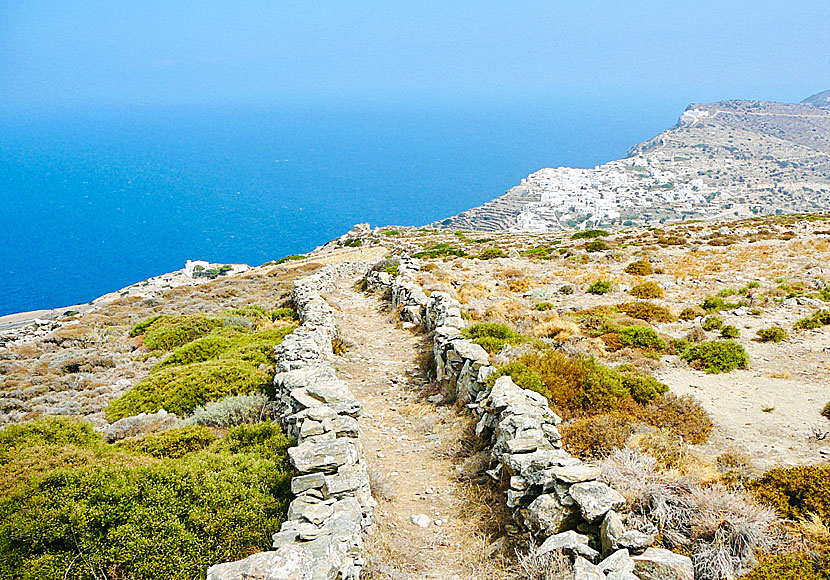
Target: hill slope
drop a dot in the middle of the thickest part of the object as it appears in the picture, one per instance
(721, 160)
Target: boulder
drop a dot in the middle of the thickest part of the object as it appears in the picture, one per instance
(571, 542)
(291, 562)
(595, 499)
(584, 570)
(660, 564)
(546, 513)
(619, 561)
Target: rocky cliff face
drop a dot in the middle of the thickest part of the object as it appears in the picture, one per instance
(721, 160)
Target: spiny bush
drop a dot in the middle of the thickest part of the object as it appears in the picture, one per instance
(640, 337)
(438, 250)
(168, 332)
(544, 306)
(798, 566)
(648, 311)
(579, 385)
(730, 331)
(557, 329)
(596, 435)
(691, 312)
(716, 304)
(773, 334)
(796, 492)
(719, 356)
(232, 411)
(492, 336)
(199, 350)
(817, 320)
(79, 508)
(647, 290)
(491, 253)
(171, 444)
(600, 287)
(596, 246)
(683, 416)
(588, 234)
(711, 323)
(284, 314)
(639, 268)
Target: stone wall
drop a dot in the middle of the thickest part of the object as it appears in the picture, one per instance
(555, 495)
(321, 538)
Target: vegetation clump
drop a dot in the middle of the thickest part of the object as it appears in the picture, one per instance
(492, 336)
(796, 492)
(639, 268)
(772, 334)
(718, 356)
(730, 331)
(717, 303)
(589, 234)
(168, 332)
(711, 323)
(648, 311)
(600, 287)
(640, 337)
(596, 246)
(491, 253)
(647, 290)
(438, 250)
(817, 320)
(691, 312)
(72, 506)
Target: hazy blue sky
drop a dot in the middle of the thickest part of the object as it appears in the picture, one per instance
(147, 51)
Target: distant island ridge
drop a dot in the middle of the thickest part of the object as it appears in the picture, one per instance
(723, 160)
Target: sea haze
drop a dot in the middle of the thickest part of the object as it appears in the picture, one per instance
(94, 200)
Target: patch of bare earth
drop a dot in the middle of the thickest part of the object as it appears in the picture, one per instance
(413, 448)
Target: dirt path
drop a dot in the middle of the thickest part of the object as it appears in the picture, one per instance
(411, 446)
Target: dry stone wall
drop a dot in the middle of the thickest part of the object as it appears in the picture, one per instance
(321, 538)
(555, 495)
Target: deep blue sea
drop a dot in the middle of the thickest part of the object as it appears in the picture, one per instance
(96, 199)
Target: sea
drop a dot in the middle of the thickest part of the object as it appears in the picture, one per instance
(95, 198)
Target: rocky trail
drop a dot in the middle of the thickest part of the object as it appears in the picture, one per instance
(412, 447)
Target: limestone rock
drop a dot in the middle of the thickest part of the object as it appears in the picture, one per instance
(569, 541)
(619, 561)
(595, 499)
(292, 562)
(420, 520)
(660, 564)
(546, 513)
(610, 531)
(584, 570)
(326, 456)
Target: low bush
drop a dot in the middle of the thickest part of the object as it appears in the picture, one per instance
(589, 234)
(682, 416)
(181, 389)
(817, 320)
(797, 566)
(567, 289)
(640, 337)
(691, 312)
(199, 350)
(232, 411)
(796, 492)
(600, 287)
(438, 250)
(711, 323)
(772, 334)
(596, 435)
(639, 268)
(647, 290)
(290, 258)
(283, 314)
(730, 331)
(81, 509)
(825, 411)
(719, 356)
(596, 246)
(557, 329)
(716, 304)
(172, 444)
(491, 253)
(544, 306)
(648, 311)
(492, 336)
(169, 332)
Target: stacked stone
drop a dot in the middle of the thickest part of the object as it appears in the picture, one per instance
(321, 538)
(550, 492)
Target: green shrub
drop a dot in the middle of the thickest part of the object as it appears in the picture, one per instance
(353, 243)
(719, 356)
(171, 444)
(647, 311)
(83, 509)
(825, 411)
(711, 323)
(791, 567)
(772, 334)
(640, 337)
(544, 306)
(639, 268)
(691, 312)
(600, 287)
(145, 325)
(730, 331)
(579, 385)
(647, 290)
(438, 250)
(492, 336)
(284, 314)
(181, 389)
(817, 320)
(716, 304)
(290, 258)
(796, 492)
(588, 234)
(491, 253)
(199, 350)
(596, 246)
(168, 332)
(596, 435)
(682, 416)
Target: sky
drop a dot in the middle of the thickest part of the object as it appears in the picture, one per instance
(113, 52)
